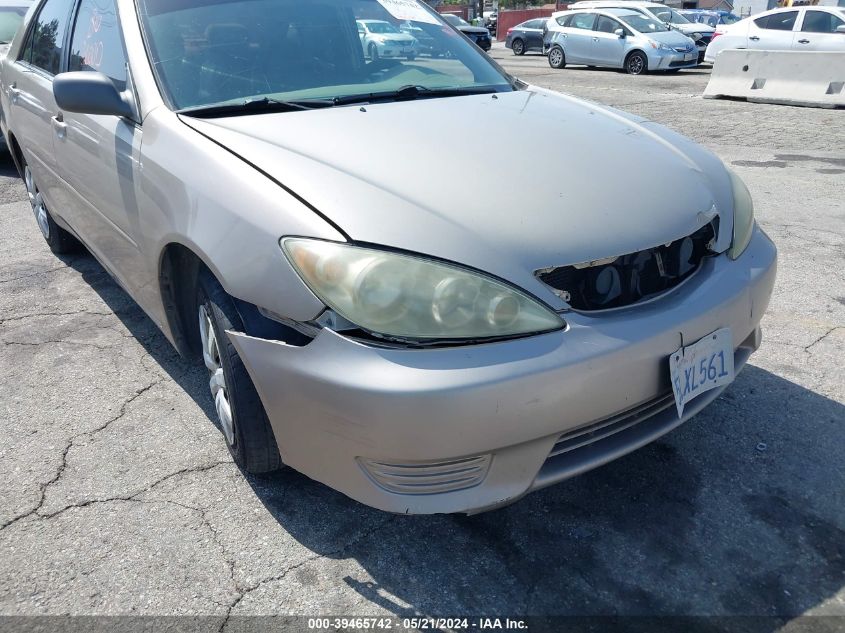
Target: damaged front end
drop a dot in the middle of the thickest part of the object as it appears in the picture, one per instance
(628, 279)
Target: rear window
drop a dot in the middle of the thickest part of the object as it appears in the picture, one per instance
(778, 21)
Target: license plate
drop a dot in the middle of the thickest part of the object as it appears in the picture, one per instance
(702, 366)
(690, 57)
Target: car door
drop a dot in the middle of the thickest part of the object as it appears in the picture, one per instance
(32, 107)
(818, 32)
(99, 154)
(608, 47)
(773, 32)
(534, 34)
(578, 43)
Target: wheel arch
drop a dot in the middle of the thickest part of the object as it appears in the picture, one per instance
(16, 152)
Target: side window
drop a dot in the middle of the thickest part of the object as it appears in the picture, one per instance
(564, 20)
(96, 43)
(778, 21)
(820, 22)
(583, 21)
(607, 25)
(537, 24)
(45, 42)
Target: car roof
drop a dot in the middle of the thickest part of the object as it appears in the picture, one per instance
(16, 3)
(621, 4)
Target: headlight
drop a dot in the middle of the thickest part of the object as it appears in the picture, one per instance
(414, 298)
(661, 46)
(743, 216)
(695, 36)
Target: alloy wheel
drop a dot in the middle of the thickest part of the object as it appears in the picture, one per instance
(217, 377)
(518, 47)
(37, 202)
(555, 57)
(635, 65)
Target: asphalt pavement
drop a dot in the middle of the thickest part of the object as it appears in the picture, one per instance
(117, 495)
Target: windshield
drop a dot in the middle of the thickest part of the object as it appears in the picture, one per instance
(222, 52)
(456, 20)
(10, 20)
(669, 15)
(638, 21)
(730, 18)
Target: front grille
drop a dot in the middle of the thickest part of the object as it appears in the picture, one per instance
(427, 478)
(680, 63)
(628, 279)
(704, 40)
(578, 438)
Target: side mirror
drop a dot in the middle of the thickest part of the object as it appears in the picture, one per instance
(620, 33)
(90, 93)
(840, 28)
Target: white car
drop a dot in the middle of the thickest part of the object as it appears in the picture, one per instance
(380, 38)
(786, 29)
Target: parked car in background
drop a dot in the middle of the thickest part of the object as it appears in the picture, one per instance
(711, 17)
(12, 13)
(477, 34)
(363, 319)
(526, 37)
(618, 38)
(426, 43)
(701, 34)
(380, 38)
(787, 29)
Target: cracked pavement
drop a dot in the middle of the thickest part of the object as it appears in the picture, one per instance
(118, 497)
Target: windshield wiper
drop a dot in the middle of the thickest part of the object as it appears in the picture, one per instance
(409, 93)
(256, 106)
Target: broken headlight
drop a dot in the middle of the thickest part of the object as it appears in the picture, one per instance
(409, 297)
(743, 216)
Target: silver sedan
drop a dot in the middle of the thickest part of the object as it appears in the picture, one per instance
(265, 192)
(617, 38)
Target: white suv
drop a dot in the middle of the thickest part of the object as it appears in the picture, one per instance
(700, 33)
(787, 29)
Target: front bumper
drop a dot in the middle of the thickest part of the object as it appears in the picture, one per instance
(501, 410)
(666, 60)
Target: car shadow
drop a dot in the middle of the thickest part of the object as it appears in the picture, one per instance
(734, 513)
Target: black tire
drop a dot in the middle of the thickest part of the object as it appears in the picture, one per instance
(373, 52)
(636, 63)
(518, 47)
(254, 447)
(557, 58)
(59, 240)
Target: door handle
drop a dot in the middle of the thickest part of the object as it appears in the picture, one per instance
(14, 93)
(59, 125)
(803, 41)
(754, 38)
(595, 39)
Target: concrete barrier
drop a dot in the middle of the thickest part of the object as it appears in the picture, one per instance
(800, 78)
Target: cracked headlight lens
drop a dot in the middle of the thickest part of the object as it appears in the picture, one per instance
(414, 298)
(743, 216)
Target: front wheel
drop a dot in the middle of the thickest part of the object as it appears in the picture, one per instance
(373, 52)
(242, 418)
(636, 63)
(556, 57)
(59, 240)
(518, 47)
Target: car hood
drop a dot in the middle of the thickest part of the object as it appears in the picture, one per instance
(694, 27)
(475, 30)
(392, 37)
(670, 38)
(585, 182)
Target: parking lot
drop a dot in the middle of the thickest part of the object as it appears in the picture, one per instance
(118, 496)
